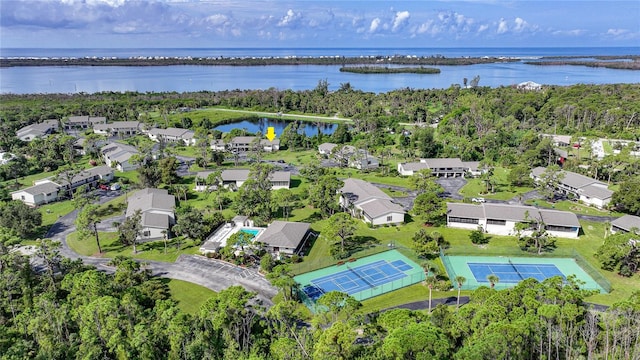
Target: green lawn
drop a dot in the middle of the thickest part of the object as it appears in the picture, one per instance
(189, 296)
(573, 207)
(606, 146)
(111, 247)
(502, 189)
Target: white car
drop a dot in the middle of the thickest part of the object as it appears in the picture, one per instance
(115, 186)
(478, 200)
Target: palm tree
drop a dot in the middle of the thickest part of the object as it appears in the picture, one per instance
(430, 281)
(459, 280)
(493, 280)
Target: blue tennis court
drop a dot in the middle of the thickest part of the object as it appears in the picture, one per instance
(355, 279)
(362, 278)
(513, 273)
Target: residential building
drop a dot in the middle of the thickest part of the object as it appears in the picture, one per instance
(40, 194)
(501, 219)
(117, 155)
(363, 200)
(234, 178)
(38, 130)
(185, 136)
(362, 160)
(583, 188)
(157, 212)
(49, 190)
(625, 224)
(447, 167)
(90, 177)
(218, 145)
(248, 143)
(529, 86)
(83, 122)
(285, 237)
(558, 140)
(118, 128)
(325, 149)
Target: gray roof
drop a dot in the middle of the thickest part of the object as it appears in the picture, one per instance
(380, 207)
(576, 180)
(414, 166)
(559, 218)
(235, 174)
(243, 175)
(125, 124)
(471, 165)
(470, 211)
(148, 199)
(596, 191)
(443, 163)
(284, 234)
(627, 222)
(85, 174)
(516, 213)
(118, 147)
(270, 142)
(43, 188)
(586, 185)
(174, 132)
(509, 212)
(78, 119)
(39, 128)
(357, 191)
(154, 220)
(243, 139)
(326, 147)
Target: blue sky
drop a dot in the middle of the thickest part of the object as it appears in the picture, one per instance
(371, 23)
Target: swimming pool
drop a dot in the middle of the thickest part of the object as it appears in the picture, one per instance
(252, 232)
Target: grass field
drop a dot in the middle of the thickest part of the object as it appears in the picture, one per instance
(502, 189)
(189, 296)
(111, 247)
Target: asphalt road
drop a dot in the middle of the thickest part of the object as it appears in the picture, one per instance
(213, 274)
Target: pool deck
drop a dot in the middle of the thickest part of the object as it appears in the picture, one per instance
(218, 239)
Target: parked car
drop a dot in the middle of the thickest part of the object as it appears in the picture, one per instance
(103, 187)
(478, 200)
(116, 186)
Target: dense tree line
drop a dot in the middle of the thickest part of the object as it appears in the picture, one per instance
(70, 310)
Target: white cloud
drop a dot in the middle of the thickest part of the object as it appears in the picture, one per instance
(374, 25)
(291, 19)
(502, 26)
(400, 20)
(521, 24)
(216, 19)
(617, 32)
(574, 32)
(483, 28)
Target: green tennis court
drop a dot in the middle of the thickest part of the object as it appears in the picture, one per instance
(512, 270)
(361, 278)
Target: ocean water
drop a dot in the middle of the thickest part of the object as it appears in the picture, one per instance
(75, 79)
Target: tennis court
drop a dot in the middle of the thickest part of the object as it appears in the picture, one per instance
(512, 270)
(362, 278)
(514, 273)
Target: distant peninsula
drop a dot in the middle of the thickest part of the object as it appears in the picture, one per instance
(388, 70)
(250, 61)
(630, 62)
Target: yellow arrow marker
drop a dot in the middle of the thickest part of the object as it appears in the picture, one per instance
(271, 134)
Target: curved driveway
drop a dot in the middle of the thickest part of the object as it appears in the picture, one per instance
(213, 274)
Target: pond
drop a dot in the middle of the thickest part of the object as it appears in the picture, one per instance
(253, 126)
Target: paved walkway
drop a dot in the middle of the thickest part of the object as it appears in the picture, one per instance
(213, 274)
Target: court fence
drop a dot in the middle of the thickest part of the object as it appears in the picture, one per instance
(413, 277)
(559, 253)
(327, 261)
